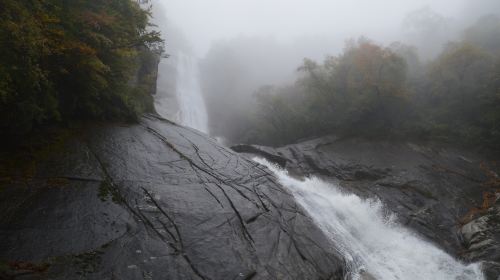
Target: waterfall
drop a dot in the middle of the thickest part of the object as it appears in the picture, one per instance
(192, 111)
(178, 93)
(373, 243)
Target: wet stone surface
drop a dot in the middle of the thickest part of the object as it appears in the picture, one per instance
(430, 189)
(155, 201)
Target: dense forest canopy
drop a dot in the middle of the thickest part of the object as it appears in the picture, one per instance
(371, 91)
(74, 59)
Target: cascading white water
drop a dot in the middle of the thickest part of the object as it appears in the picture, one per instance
(192, 111)
(178, 93)
(372, 242)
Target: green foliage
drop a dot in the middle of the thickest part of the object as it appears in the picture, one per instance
(370, 91)
(71, 59)
(362, 90)
(459, 95)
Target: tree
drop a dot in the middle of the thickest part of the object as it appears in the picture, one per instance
(458, 89)
(362, 90)
(71, 59)
(364, 87)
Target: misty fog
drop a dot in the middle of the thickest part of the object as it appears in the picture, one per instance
(242, 46)
(203, 23)
(250, 139)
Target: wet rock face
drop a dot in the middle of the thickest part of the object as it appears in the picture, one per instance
(481, 239)
(430, 189)
(155, 201)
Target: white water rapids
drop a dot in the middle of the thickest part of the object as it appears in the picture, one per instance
(371, 241)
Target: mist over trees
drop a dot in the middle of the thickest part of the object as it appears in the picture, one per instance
(446, 93)
(231, 72)
(360, 91)
(428, 31)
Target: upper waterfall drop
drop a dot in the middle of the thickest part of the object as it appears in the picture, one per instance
(192, 111)
(179, 96)
(373, 244)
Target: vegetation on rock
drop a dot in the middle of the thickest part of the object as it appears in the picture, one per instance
(73, 59)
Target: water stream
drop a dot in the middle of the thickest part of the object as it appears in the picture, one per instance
(192, 111)
(373, 243)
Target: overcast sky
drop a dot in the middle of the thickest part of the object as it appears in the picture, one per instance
(206, 21)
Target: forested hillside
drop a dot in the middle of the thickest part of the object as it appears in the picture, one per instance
(387, 92)
(74, 59)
